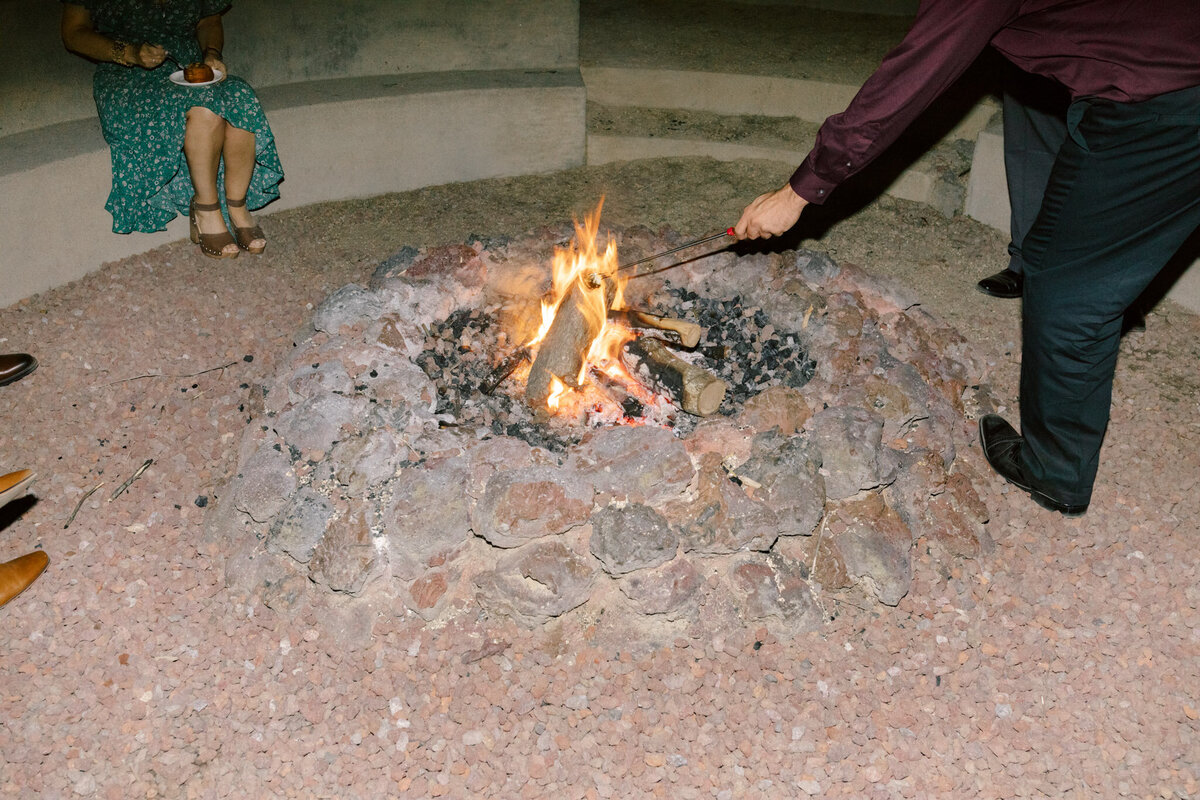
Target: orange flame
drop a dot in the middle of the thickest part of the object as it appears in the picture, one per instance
(581, 265)
(557, 390)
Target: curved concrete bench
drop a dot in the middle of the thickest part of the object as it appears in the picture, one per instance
(338, 139)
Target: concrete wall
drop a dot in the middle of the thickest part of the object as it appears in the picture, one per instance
(274, 42)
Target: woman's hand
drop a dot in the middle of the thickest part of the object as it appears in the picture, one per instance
(770, 214)
(146, 55)
(214, 61)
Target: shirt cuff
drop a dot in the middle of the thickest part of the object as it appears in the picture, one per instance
(805, 183)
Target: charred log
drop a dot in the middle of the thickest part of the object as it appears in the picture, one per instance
(693, 389)
(566, 345)
(689, 332)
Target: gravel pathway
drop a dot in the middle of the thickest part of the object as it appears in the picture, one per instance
(1064, 663)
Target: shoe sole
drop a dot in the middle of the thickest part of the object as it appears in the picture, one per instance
(31, 582)
(1001, 295)
(1043, 500)
(23, 373)
(18, 489)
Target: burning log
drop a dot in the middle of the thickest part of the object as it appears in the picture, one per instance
(689, 332)
(695, 390)
(567, 343)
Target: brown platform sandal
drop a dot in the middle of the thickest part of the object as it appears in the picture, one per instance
(246, 235)
(211, 244)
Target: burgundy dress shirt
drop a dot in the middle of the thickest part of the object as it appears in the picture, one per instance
(1122, 50)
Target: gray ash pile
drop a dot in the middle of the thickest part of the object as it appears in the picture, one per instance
(742, 346)
(460, 357)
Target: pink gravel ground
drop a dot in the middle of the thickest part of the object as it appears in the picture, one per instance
(1063, 664)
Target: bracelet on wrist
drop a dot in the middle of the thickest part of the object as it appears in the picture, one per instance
(117, 54)
(213, 50)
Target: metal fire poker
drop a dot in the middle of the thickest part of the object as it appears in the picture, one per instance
(594, 279)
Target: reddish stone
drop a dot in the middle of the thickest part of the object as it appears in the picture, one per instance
(427, 590)
(530, 503)
(874, 543)
(346, 556)
(777, 407)
(664, 589)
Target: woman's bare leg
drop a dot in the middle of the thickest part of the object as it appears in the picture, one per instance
(203, 141)
(239, 168)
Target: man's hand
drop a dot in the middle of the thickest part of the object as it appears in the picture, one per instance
(770, 214)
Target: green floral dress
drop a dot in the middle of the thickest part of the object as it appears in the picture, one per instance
(142, 113)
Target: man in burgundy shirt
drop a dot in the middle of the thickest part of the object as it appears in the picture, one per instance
(1123, 195)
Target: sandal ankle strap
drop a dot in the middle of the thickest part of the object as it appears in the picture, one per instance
(235, 203)
(206, 206)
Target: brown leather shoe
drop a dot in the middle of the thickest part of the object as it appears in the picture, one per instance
(14, 484)
(14, 366)
(17, 575)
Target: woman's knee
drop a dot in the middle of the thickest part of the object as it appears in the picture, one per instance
(200, 118)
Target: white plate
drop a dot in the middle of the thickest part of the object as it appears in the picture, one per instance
(177, 78)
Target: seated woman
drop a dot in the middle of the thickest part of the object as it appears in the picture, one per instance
(175, 144)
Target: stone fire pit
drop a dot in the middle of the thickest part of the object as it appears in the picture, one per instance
(371, 469)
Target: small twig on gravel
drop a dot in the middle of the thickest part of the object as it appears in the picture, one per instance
(79, 505)
(165, 375)
(132, 478)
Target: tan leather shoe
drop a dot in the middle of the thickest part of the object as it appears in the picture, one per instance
(15, 484)
(17, 575)
(14, 366)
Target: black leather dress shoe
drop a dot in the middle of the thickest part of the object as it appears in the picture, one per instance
(1002, 448)
(15, 366)
(1006, 283)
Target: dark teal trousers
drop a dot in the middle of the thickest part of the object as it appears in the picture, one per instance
(1123, 196)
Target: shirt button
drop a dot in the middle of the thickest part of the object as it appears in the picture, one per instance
(820, 191)
(848, 165)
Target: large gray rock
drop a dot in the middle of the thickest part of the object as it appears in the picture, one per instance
(317, 423)
(346, 556)
(790, 485)
(537, 582)
(637, 464)
(875, 546)
(854, 457)
(427, 520)
(771, 586)
(938, 506)
(665, 589)
(348, 306)
(301, 526)
(368, 461)
(317, 378)
(265, 483)
(719, 517)
(631, 537)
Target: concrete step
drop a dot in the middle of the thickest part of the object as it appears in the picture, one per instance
(629, 132)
